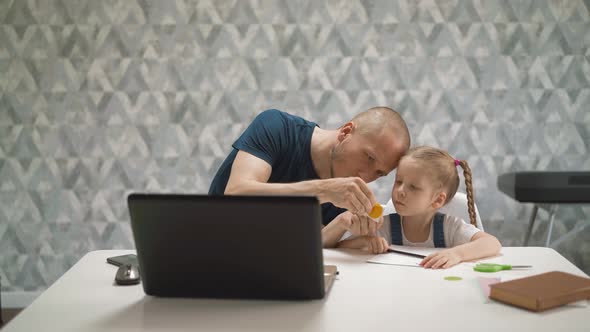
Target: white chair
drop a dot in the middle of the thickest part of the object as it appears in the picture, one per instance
(456, 207)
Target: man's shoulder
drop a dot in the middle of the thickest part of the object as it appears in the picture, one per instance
(275, 115)
(272, 112)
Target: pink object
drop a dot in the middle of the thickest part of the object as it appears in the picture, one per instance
(457, 162)
(485, 283)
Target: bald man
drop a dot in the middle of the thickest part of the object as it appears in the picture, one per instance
(284, 154)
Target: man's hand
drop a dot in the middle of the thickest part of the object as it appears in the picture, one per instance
(358, 225)
(442, 259)
(350, 193)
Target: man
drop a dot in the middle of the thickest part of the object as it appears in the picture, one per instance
(280, 153)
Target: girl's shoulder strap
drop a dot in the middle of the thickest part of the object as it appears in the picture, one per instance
(396, 229)
(438, 228)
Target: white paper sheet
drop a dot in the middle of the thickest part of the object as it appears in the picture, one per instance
(395, 259)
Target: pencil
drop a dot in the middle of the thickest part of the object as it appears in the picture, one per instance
(406, 253)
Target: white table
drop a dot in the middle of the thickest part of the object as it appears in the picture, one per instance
(366, 297)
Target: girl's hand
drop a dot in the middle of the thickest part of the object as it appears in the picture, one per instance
(343, 221)
(441, 260)
(358, 225)
(376, 244)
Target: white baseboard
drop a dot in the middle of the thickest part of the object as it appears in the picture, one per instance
(18, 300)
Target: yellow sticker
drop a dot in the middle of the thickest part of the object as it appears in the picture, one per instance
(376, 211)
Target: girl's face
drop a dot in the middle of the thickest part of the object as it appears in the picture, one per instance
(414, 192)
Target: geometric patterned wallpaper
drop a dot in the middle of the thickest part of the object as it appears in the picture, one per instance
(101, 98)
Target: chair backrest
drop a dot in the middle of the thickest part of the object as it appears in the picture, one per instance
(456, 207)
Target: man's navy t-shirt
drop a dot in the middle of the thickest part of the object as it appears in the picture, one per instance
(284, 142)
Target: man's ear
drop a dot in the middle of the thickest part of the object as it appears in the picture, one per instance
(345, 130)
(439, 200)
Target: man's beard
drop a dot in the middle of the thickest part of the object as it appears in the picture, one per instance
(334, 155)
(332, 162)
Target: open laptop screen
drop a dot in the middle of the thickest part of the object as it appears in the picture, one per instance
(228, 246)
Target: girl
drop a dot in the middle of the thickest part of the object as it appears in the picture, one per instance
(427, 179)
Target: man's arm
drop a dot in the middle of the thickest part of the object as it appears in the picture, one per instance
(249, 176)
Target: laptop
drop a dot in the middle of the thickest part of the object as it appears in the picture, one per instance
(263, 247)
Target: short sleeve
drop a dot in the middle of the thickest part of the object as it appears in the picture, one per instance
(265, 137)
(457, 231)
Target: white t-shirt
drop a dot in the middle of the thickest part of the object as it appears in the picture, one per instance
(456, 231)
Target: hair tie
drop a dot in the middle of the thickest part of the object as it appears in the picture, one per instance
(457, 162)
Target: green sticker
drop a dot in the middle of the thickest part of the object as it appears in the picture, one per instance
(453, 278)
